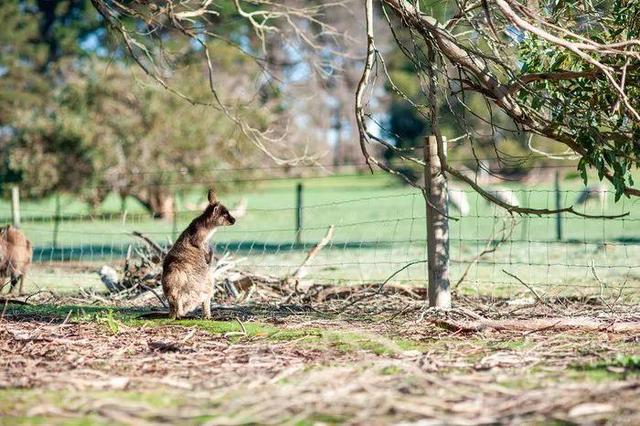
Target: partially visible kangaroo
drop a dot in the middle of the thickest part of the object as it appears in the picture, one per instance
(185, 269)
(15, 257)
(593, 192)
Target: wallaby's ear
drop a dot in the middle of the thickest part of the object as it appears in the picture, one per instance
(212, 196)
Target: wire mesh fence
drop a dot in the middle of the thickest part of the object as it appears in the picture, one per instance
(379, 227)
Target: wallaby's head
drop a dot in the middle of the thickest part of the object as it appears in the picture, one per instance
(216, 214)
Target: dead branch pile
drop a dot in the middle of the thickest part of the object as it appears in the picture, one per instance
(142, 272)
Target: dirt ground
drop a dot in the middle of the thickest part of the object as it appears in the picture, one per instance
(390, 361)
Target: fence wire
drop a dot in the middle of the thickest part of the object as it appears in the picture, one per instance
(378, 230)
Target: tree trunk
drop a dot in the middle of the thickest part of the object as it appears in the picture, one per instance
(95, 199)
(159, 202)
(437, 226)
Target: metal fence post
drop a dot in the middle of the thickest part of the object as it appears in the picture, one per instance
(558, 202)
(15, 206)
(435, 195)
(56, 222)
(299, 213)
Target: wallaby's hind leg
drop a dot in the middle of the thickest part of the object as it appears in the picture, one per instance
(179, 309)
(172, 313)
(14, 284)
(206, 308)
(21, 291)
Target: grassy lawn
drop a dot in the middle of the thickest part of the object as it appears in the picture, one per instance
(379, 227)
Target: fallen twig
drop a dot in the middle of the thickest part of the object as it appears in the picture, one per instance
(535, 293)
(381, 286)
(489, 248)
(155, 294)
(159, 250)
(539, 324)
(301, 270)
(602, 286)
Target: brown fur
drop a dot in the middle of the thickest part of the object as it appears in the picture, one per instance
(185, 270)
(15, 257)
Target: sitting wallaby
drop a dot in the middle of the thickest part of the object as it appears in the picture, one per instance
(185, 269)
(15, 257)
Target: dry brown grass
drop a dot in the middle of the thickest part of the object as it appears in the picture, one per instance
(384, 359)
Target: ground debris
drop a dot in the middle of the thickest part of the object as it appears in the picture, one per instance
(489, 376)
(362, 354)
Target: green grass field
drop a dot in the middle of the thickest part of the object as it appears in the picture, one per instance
(379, 227)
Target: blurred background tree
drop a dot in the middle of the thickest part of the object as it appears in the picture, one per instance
(140, 98)
(77, 117)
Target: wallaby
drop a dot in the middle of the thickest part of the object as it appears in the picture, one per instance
(185, 269)
(505, 195)
(458, 200)
(593, 192)
(15, 257)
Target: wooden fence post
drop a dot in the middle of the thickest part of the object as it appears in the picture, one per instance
(299, 213)
(174, 219)
(435, 195)
(15, 206)
(558, 207)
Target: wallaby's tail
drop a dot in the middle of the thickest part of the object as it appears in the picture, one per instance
(155, 315)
